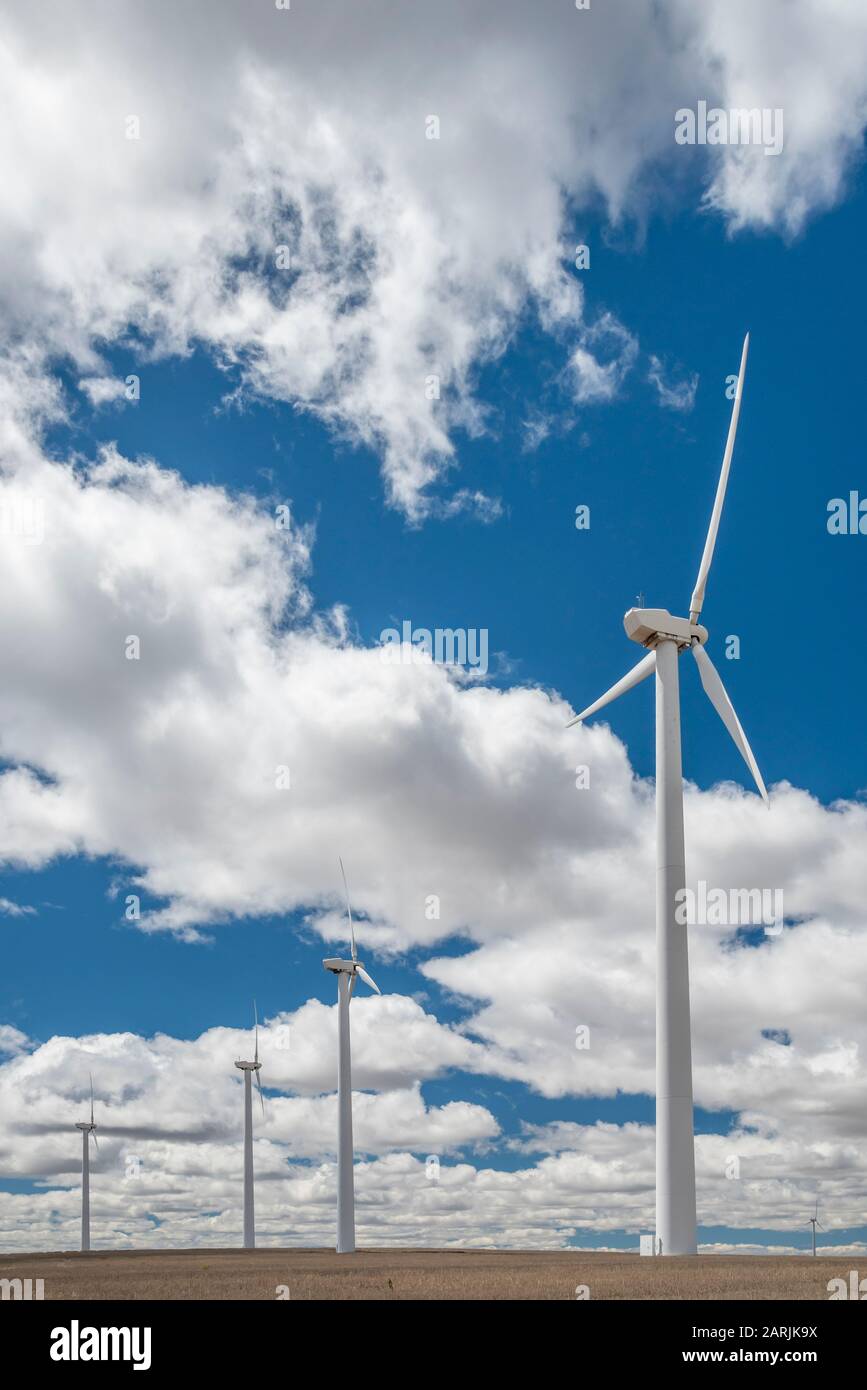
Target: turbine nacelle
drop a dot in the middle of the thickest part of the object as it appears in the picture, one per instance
(354, 969)
(340, 967)
(649, 626)
(249, 1066)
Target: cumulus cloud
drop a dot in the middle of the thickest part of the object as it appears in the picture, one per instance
(237, 679)
(101, 390)
(12, 1040)
(272, 193)
(168, 1169)
(805, 61)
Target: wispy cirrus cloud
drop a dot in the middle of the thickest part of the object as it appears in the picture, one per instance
(673, 395)
(601, 362)
(8, 908)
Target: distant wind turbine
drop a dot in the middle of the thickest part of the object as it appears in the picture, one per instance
(814, 1222)
(666, 637)
(250, 1069)
(346, 972)
(88, 1132)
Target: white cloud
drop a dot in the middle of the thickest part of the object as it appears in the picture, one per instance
(226, 692)
(805, 59)
(12, 1040)
(470, 503)
(536, 430)
(101, 390)
(10, 909)
(602, 360)
(408, 257)
(674, 395)
(546, 883)
(168, 1169)
(30, 399)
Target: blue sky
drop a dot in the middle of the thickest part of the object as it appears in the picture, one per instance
(685, 284)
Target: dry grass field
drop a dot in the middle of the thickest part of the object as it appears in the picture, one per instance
(419, 1274)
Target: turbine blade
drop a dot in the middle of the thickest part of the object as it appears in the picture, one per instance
(256, 1023)
(259, 1089)
(695, 603)
(638, 673)
(351, 986)
(91, 1097)
(348, 909)
(359, 970)
(716, 693)
(95, 1140)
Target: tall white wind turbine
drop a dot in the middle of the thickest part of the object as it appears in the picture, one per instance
(346, 971)
(250, 1069)
(814, 1222)
(88, 1132)
(666, 637)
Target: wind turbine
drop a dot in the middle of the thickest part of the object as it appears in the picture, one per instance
(346, 971)
(814, 1222)
(250, 1069)
(88, 1131)
(666, 637)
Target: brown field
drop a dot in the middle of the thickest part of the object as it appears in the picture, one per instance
(420, 1274)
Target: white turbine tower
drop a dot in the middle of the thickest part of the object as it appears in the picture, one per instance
(666, 637)
(250, 1069)
(346, 972)
(88, 1132)
(814, 1222)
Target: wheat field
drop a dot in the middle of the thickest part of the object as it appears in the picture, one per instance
(403, 1274)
